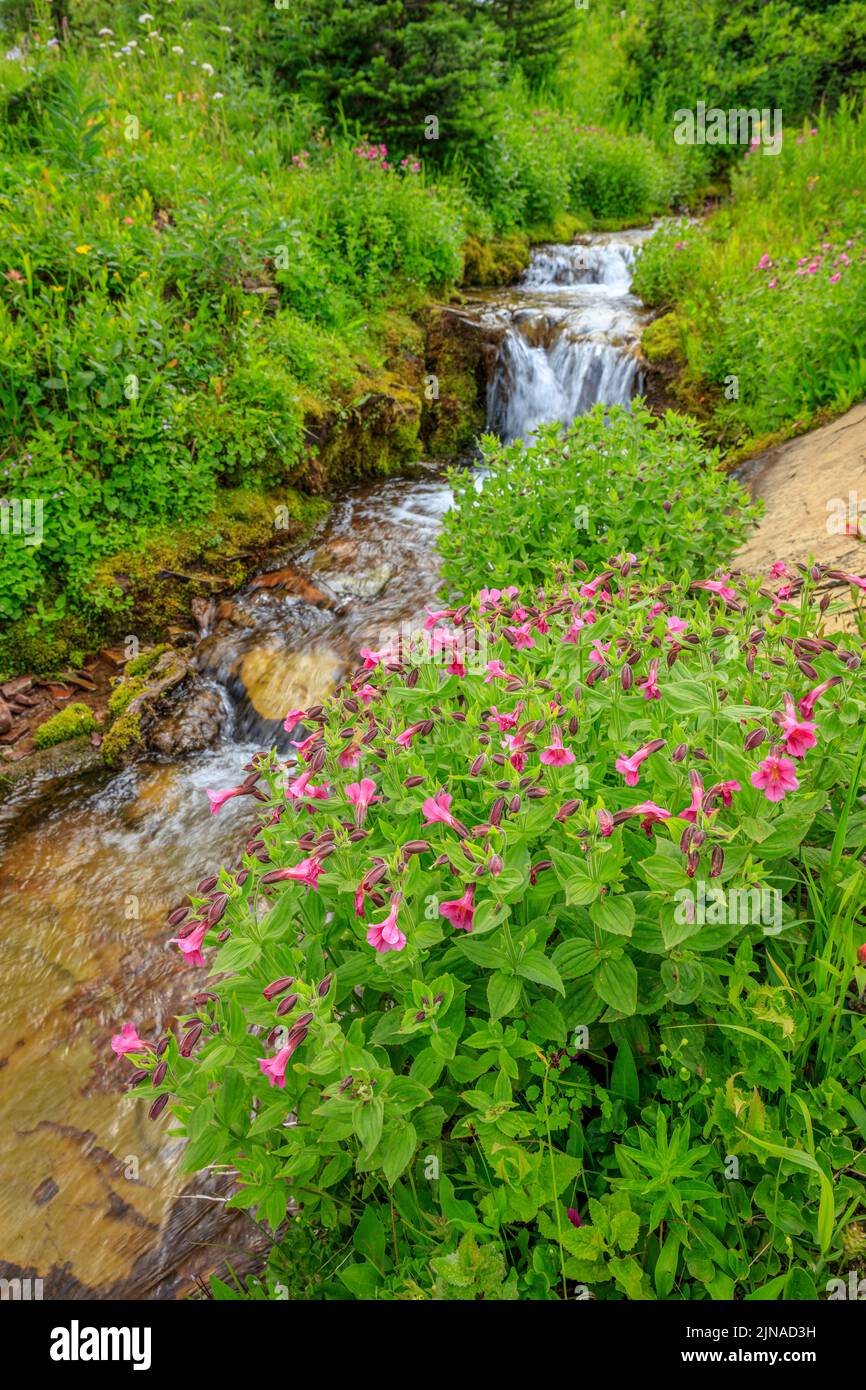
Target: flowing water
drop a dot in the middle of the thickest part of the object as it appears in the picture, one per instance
(90, 864)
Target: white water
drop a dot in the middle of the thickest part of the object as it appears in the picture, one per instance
(572, 328)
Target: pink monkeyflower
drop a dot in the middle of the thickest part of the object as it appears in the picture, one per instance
(404, 740)
(521, 636)
(778, 569)
(442, 638)
(504, 721)
(630, 767)
(691, 812)
(657, 607)
(372, 659)
(190, 946)
(599, 652)
(650, 815)
(455, 667)
(854, 579)
(218, 799)
(366, 694)
(764, 263)
(293, 717)
(387, 936)
(649, 685)
(306, 743)
(274, 1068)
(437, 810)
(674, 626)
(362, 794)
(302, 786)
(127, 1040)
(495, 672)
(799, 734)
(725, 790)
(807, 703)
(308, 872)
(591, 589)
(775, 777)
(555, 755)
(359, 900)
(460, 911)
(349, 756)
(542, 625)
(435, 615)
(572, 1212)
(717, 586)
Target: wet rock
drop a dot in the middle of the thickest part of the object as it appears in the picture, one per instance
(277, 679)
(194, 723)
(203, 611)
(364, 585)
(5, 717)
(292, 582)
(335, 552)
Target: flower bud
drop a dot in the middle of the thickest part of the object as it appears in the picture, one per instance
(137, 1077)
(175, 918)
(692, 863)
(477, 764)
(604, 821)
(159, 1074)
(324, 986)
(808, 670)
(496, 810)
(626, 677)
(286, 1005)
(679, 752)
(207, 884)
(217, 908)
(158, 1106)
(754, 739)
(717, 861)
(514, 805)
(495, 865)
(412, 678)
(190, 1040)
(278, 986)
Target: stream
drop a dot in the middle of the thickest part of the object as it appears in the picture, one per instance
(90, 864)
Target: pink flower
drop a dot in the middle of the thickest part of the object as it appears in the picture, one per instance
(435, 615)
(520, 636)
(650, 815)
(387, 936)
(691, 813)
(764, 262)
(274, 1068)
(775, 777)
(366, 694)
(807, 703)
(778, 569)
(572, 1212)
(717, 586)
(293, 717)
(495, 672)
(190, 946)
(437, 809)
(598, 652)
(799, 734)
(555, 755)
(674, 626)
(504, 721)
(649, 686)
(349, 756)
(359, 900)
(630, 767)
(307, 872)
(460, 911)
(362, 794)
(591, 589)
(372, 659)
(306, 743)
(302, 786)
(725, 789)
(127, 1040)
(218, 799)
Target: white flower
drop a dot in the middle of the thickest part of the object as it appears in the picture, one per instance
(217, 96)
(224, 29)
(176, 48)
(145, 18)
(207, 69)
(104, 32)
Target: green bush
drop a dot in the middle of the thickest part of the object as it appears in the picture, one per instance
(535, 943)
(614, 480)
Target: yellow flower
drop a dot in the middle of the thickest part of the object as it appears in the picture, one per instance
(58, 289)
(83, 249)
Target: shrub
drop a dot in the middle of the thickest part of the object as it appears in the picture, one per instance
(71, 722)
(469, 1006)
(614, 480)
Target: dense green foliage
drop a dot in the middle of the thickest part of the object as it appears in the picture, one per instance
(583, 1018)
(613, 481)
(769, 294)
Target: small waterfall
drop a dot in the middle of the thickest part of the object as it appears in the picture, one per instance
(571, 330)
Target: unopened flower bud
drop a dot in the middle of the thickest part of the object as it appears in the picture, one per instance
(158, 1106)
(324, 986)
(286, 1005)
(159, 1074)
(717, 861)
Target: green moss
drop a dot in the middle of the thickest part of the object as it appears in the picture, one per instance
(496, 261)
(662, 339)
(453, 420)
(124, 734)
(123, 695)
(140, 665)
(71, 722)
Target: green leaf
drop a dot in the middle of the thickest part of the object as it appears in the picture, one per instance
(575, 958)
(367, 1119)
(369, 1238)
(615, 982)
(534, 965)
(624, 1080)
(614, 914)
(503, 992)
(397, 1148)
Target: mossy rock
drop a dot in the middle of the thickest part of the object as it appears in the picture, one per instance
(453, 420)
(68, 723)
(662, 340)
(123, 739)
(495, 261)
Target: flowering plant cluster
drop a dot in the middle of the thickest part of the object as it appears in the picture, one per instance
(468, 1006)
